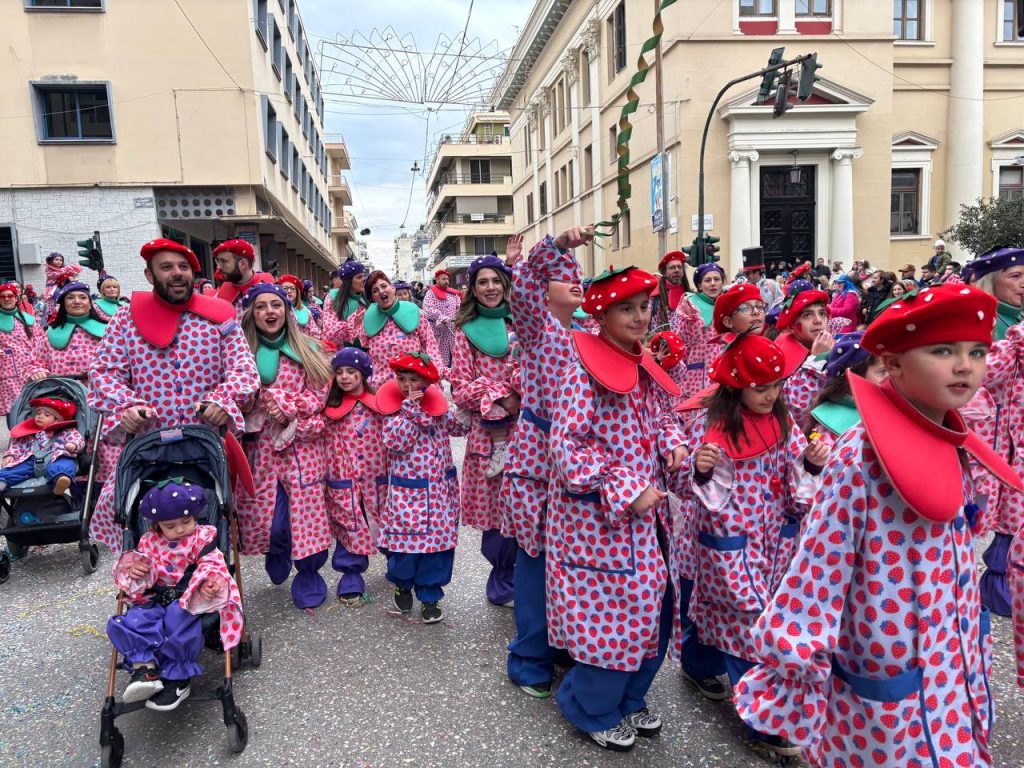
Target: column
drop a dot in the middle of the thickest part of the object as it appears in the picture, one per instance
(740, 224)
(787, 17)
(841, 246)
(966, 142)
(571, 67)
(592, 45)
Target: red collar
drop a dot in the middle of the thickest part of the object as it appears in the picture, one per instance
(443, 294)
(919, 456)
(348, 402)
(760, 434)
(794, 352)
(28, 427)
(616, 369)
(231, 292)
(390, 398)
(157, 320)
(675, 293)
(696, 402)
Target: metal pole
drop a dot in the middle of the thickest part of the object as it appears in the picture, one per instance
(659, 108)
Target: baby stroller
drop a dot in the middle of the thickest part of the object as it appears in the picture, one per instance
(195, 454)
(35, 517)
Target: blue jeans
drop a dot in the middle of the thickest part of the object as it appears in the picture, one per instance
(26, 470)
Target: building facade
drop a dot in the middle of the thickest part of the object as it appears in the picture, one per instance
(469, 193)
(918, 111)
(195, 120)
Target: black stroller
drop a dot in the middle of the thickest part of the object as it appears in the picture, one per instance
(195, 454)
(35, 517)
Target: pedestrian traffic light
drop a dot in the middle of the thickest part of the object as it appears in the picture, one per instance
(768, 81)
(808, 78)
(90, 253)
(782, 95)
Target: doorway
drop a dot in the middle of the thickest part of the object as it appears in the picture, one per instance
(787, 215)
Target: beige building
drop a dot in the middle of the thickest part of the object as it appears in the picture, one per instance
(469, 193)
(920, 109)
(196, 120)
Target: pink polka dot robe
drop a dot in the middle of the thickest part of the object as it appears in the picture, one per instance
(392, 341)
(421, 507)
(478, 382)
(18, 352)
(875, 650)
(606, 574)
(206, 361)
(74, 360)
(703, 345)
(356, 462)
(1015, 577)
(169, 561)
(293, 456)
(441, 316)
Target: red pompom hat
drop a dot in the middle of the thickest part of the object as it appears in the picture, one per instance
(154, 247)
(64, 409)
(938, 315)
(616, 285)
(10, 288)
(749, 361)
(727, 302)
(238, 247)
(797, 303)
(441, 272)
(293, 281)
(418, 363)
(676, 348)
(669, 257)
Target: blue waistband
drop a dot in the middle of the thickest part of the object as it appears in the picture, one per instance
(418, 482)
(885, 689)
(594, 497)
(339, 483)
(789, 529)
(722, 543)
(694, 366)
(540, 423)
(985, 622)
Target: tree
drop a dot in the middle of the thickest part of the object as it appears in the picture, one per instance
(990, 223)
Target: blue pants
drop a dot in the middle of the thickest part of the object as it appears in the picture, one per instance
(171, 637)
(596, 699)
(427, 572)
(530, 658)
(698, 660)
(500, 552)
(995, 589)
(351, 567)
(25, 470)
(308, 587)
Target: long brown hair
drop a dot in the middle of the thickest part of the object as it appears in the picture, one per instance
(838, 388)
(663, 295)
(318, 371)
(344, 294)
(467, 309)
(724, 408)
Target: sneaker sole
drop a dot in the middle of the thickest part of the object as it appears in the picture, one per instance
(776, 754)
(704, 691)
(168, 707)
(646, 733)
(612, 746)
(534, 692)
(141, 691)
(435, 620)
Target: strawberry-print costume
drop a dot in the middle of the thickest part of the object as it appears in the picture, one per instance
(875, 649)
(55, 278)
(440, 305)
(73, 361)
(391, 341)
(18, 354)
(203, 361)
(806, 377)
(1015, 576)
(67, 443)
(56, 450)
(171, 635)
(286, 520)
(338, 331)
(692, 321)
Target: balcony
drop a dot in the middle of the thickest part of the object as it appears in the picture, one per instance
(471, 185)
(337, 185)
(336, 148)
(344, 227)
(453, 147)
(470, 225)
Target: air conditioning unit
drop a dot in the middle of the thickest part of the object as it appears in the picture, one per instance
(28, 253)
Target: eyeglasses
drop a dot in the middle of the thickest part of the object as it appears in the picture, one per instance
(750, 309)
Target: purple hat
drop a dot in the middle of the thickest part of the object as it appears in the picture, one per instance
(261, 288)
(71, 287)
(171, 500)
(703, 269)
(353, 357)
(401, 285)
(799, 286)
(488, 262)
(847, 353)
(103, 278)
(307, 285)
(350, 269)
(994, 261)
(52, 256)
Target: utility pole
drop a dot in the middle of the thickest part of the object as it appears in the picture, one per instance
(659, 110)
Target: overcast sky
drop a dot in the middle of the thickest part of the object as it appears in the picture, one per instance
(384, 141)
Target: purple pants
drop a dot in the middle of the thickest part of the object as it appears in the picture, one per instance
(308, 587)
(172, 637)
(500, 552)
(995, 589)
(351, 567)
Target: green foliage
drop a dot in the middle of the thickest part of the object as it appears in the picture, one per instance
(989, 223)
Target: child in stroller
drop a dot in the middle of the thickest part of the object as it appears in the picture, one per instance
(174, 575)
(45, 444)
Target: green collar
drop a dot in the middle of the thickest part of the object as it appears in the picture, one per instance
(302, 316)
(837, 417)
(488, 332)
(268, 356)
(405, 315)
(109, 307)
(59, 337)
(706, 307)
(352, 305)
(1006, 315)
(7, 318)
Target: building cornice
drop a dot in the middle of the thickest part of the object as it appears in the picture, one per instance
(541, 25)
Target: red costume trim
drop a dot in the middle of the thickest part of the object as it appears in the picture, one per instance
(761, 433)
(348, 402)
(616, 369)
(390, 398)
(239, 469)
(794, 352)
(157, 320)
(230, 292)
(443, 294)
(28, 427)
(675, 293)
(696, 401)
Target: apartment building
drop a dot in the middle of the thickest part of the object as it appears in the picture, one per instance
(918, 111)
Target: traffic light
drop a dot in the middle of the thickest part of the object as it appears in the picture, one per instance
(768, 81)
(90, 253)
(782, 95)
(808, 78)
(694, 252)
(710, 248)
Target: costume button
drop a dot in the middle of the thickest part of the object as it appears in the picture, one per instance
(963, 625)
(172, 544)
(958, 523)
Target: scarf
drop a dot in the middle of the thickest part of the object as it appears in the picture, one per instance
(157, 320)
(405, 315)
(706, 307)
(230, 292)
(59, 337)
(443, 294)
(8, 316)
(302, 316)
(1006, 315)
(614, 368)
(268, 356)
(760, 434)
(352, 305)
(675, 293)
(488, 332)
(837, 417)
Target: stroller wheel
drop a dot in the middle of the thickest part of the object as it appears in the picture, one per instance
(90, 557)
(112, 754)
(238, 732)
(252, 650)
(5, 567)
(17, 551)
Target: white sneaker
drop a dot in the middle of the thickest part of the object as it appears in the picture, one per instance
(644, 723)
(497, 463)
(621, 738)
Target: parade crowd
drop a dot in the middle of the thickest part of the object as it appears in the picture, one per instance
(774, 480)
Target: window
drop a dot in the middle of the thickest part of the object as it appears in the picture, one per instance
(73, 5)
(479, 171)
(543, 198)
(568, 181)
(621, 236)
(269, 129)
(277, 49)
(10, 266)
(908, 19)
(529, 208)
(297, 104)
(74, 112)
(259, 15)
(613, 138)
(761, 7)
(296, 168)
(814, 8)
(483, 245)
(904, 208)
(1011, 22)
(1011, 182)
(303, 175)
(293, 19)
(289, 77)
(588, 166)
(527, 142)
(584, 78)
(617, 39)
(285, 148)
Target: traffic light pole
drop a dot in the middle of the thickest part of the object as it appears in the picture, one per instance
(707, 127)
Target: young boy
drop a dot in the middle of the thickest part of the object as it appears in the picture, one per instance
(419, 524)
(875, 648)
(49, 437)
(804, 339)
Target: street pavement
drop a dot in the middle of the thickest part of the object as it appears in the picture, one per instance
(344, 687)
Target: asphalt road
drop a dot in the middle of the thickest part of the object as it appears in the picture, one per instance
(343, 687)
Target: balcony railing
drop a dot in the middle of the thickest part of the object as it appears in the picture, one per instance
(456, 178)
(472, 140)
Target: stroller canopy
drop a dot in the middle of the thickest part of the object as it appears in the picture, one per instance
(65, 389)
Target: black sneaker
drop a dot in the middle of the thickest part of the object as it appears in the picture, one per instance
(144, 683)
(403, 599)
(711, 688)
(174, 692)
(644, 723)
(431, 613)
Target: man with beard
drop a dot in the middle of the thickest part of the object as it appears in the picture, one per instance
(235, 260)
(176, 357)
(671, 288)
(440, 305)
